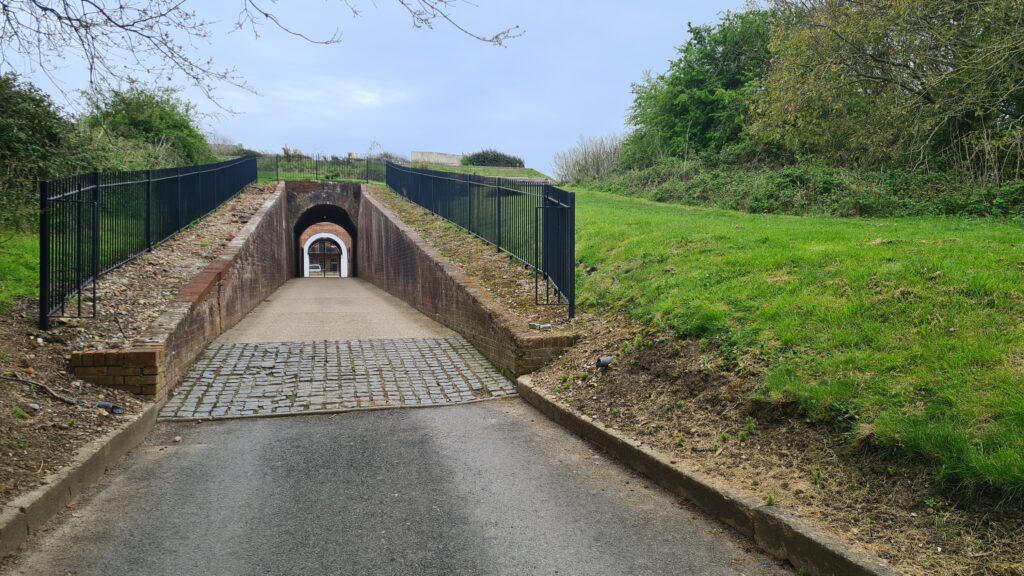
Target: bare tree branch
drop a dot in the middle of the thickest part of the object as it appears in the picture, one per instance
(123, 39)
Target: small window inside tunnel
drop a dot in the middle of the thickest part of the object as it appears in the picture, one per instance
(325, 243)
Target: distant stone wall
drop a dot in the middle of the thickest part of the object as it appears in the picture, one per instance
(437, 158)
(395, 258)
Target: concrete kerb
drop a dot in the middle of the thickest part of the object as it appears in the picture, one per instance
(776, 532)
(26, 514)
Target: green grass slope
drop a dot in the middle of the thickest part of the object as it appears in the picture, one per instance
(19, 268)
(912, 328)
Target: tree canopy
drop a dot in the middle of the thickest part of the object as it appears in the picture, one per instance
(922, 85)
(916, 83)
(701, 103)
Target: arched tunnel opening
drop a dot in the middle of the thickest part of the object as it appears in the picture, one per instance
(325, 242)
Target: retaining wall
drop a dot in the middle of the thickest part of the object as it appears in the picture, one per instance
(251, 268)
(397, 259)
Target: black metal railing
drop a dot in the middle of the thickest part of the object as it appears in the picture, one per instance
(531, 220)
(321, 167)
(93, 223)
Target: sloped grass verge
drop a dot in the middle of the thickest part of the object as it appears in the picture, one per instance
(19, 268)
(910, 329)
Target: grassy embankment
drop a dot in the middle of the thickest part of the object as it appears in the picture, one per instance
(19, 268)
(908, 327)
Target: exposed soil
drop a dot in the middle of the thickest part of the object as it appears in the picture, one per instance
(39, 434)
(508, 282)
(686, 401)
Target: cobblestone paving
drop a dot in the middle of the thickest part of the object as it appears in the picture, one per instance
(258, 379)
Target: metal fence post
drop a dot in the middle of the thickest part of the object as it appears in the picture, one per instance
(497, 221)
(177, 201)
(277, 162)
(570, 249)
(44, 255)
(95, 237)
(149, 210)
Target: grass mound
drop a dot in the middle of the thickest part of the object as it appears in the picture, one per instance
(910, 329)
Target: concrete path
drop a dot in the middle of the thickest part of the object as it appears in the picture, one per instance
(483, 489)
(311, 309)
(331, 345)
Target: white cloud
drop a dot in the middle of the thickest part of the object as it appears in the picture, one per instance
(334, 96)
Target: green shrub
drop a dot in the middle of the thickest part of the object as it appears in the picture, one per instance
(491, 157)
(811, 187)
(32, 135)
(130, 129)
(157, 117)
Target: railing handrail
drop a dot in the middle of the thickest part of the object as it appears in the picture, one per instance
(106, 175)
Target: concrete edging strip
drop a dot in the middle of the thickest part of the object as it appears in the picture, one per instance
(26, 514)
(777, 533)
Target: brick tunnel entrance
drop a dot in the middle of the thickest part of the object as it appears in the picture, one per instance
(325, 243)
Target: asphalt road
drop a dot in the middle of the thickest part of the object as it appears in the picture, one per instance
(488, 488)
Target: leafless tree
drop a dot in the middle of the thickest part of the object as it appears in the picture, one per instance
(122, 39)
(589, 159)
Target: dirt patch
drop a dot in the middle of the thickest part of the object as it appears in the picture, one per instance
(685, 399)
(509, 282)
(39, 434)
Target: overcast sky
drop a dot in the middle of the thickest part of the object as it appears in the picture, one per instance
(439, 90)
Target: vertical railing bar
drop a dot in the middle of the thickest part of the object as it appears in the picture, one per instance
(149, 211)
(44, 254)
(96, 236)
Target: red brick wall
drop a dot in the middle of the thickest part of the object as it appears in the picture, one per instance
(396, 259)
(252, 267)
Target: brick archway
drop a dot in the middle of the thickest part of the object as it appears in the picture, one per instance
(323, 218)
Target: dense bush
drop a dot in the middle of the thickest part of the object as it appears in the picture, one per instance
(815, 188)
(491, 157)
(32, 133)
(156, 117)
(834, 107)
(129, 129)
(701, 104)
